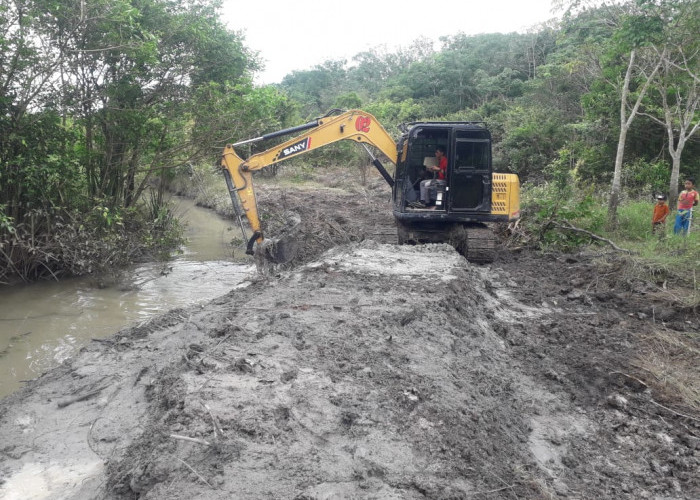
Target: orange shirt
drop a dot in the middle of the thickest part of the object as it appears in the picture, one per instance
(660, 213)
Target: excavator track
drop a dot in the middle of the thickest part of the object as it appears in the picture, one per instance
(476, 242)
(481, 246)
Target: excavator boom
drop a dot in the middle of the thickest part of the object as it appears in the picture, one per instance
(354, 125)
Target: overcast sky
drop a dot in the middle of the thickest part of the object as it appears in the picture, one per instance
(298, 34)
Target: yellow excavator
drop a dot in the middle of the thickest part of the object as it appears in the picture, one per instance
(455, 210)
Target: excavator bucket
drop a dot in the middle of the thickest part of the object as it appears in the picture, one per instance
(278, 251)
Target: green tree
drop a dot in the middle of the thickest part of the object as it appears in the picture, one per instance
(621, 41)
(316, 90)
(675, 98)
(96, 98)
(137, 67)
(531, 138)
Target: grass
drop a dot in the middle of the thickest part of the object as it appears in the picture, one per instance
(653, 258)
(673, 256)
(671, 357)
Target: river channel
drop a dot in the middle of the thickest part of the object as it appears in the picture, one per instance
(42, 324)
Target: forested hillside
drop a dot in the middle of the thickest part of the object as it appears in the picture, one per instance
(553, 93)
(101, 99)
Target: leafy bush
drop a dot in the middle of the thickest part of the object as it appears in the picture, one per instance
(646, 178)
(52, 243)
(6, 222)
(545, 210)
(548, 208)
(392, 113)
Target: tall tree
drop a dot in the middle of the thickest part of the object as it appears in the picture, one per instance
(316, 89)
(136, 66)
(36, 169)
(676, 96)
(109, 91)
(627, 62)
(629, 107)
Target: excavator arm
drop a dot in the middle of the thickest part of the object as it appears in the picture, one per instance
(354, 125)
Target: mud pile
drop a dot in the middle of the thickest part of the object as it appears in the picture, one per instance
(375, 371)
(336, 213)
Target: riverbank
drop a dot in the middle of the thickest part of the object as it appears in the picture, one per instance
(96, 240)
(375, 371)
(44, 323)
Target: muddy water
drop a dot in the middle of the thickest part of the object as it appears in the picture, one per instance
(42, 324)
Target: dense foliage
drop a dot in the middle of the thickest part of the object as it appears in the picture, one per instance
(102, 101)
(556, 87)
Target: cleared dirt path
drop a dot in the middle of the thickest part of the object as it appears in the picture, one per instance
(375, 371)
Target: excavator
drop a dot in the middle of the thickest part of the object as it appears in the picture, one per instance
(459, 209)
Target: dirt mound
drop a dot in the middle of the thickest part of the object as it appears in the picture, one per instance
(340, 388)
(321, 218)
(374, 371)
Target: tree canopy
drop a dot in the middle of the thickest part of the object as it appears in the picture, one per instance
(557, 87)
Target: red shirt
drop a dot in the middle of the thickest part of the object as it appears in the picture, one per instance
(443, 168)
(686, 199)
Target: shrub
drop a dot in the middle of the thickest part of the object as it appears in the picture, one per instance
(646, 178)
(58, 242)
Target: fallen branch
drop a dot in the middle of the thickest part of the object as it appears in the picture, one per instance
(195, 472)
(509, 487)
(9, 262)
(631, 378)
(218, 432)
(673, 411)
(191, 440)
(68, 402)
(646, 370)
(49, 270)
(569, 227)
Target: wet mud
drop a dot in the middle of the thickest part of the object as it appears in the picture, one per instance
(371, 370)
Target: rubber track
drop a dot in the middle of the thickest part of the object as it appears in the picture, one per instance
(481, 245)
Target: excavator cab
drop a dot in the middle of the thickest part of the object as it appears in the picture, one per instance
(467, 146)
(468, 201)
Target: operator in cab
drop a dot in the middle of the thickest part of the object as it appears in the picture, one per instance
(440, 169)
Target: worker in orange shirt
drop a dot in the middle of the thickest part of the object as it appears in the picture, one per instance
(658, 218)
